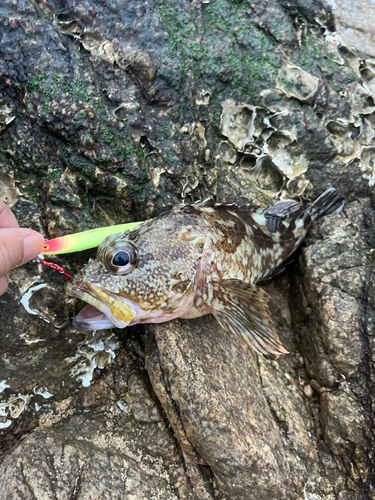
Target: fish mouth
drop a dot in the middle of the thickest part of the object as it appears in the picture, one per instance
(104, 310)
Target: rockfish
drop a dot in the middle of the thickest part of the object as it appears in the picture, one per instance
(198, 259)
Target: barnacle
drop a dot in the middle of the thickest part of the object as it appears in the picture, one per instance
(367, 70)
(204, 98)
(289, 164)
(354, 141)
(264, 142)
(227, 152)
(296, 187)
(8, 190)
(69, 24)
(367, 158)
(248, 161)
(6, 115)
(261, 137)
(125, 109)
(295, 82)
(360, 100)
(237, 123)
(341, 136)
(268, 176)
(332, 45)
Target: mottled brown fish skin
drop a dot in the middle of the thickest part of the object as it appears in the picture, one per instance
(200, 259)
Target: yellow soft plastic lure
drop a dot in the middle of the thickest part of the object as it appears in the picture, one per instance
(82, 241)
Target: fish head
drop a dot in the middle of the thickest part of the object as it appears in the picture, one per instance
(147, 275)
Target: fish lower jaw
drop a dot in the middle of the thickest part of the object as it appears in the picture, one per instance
(111, 312)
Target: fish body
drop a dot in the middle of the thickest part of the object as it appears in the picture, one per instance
(198, 259)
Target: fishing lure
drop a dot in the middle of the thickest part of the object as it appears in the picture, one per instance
(84, 240)
(78, 242)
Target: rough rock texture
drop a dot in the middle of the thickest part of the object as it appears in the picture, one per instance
(210, 389)
(116, 111)
(354, 22)
(335, 312)
(107, 441)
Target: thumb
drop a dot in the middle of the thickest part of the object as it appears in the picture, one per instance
(18, 246)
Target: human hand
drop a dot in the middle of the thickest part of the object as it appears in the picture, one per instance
(17, 245)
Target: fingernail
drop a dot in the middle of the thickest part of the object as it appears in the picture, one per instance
(32, 246)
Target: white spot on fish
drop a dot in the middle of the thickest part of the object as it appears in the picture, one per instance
(299, 223)
(259, 219)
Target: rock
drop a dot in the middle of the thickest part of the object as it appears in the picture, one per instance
(210, 389)
(354, 22)
(333, 313)
(100, 462)
(93, 445)
(247, 419)
(116, 112)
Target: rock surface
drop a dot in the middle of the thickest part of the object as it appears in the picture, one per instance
(354, 22)
(116, 111)
(334, 316)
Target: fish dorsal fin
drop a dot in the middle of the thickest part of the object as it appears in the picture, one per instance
(210, 202)
(241, 308)
(275, 215)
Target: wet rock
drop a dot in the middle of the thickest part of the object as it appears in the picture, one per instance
(87, 440)
(115, 112)
(8, 191)
(6, 115)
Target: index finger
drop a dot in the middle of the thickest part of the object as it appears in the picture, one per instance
(7, 218)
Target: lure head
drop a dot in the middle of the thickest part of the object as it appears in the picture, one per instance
(143, 276)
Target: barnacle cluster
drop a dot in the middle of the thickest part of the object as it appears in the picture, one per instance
(258, 139)
(264, 143)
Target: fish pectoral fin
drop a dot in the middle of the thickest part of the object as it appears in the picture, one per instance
(241, 308)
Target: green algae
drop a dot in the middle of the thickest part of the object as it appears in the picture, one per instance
(221, 46)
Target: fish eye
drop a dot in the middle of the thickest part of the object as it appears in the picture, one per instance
(121, 258)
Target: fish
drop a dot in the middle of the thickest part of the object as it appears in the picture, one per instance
(196, 260)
